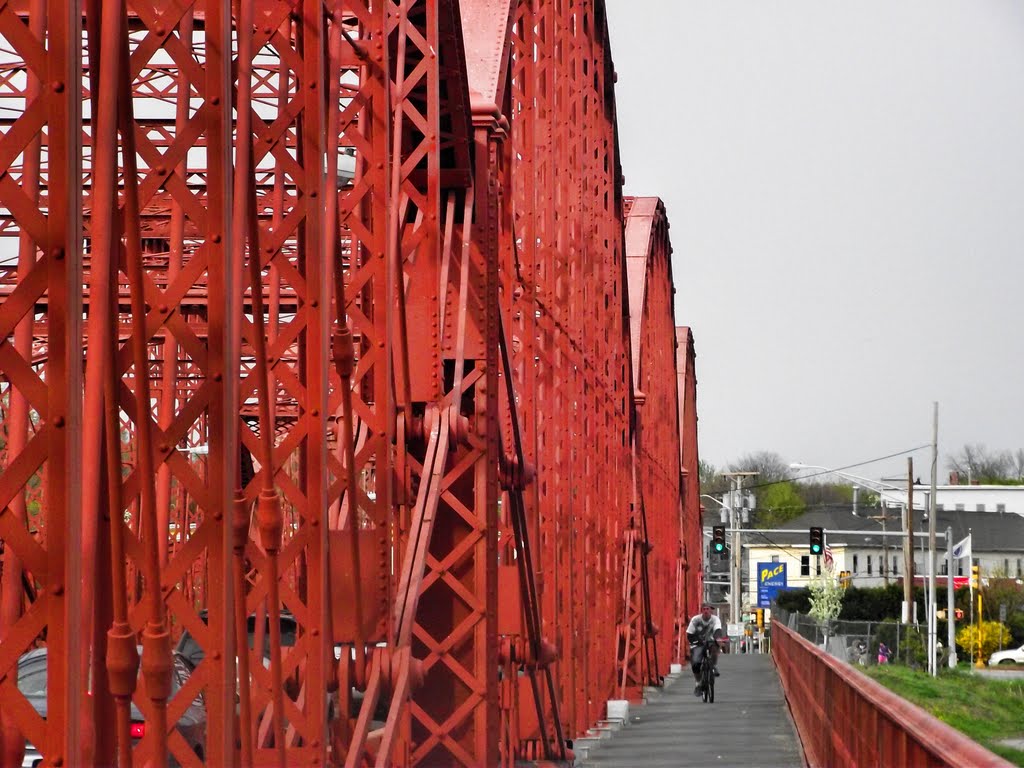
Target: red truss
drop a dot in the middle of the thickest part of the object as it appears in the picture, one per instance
(329, 339)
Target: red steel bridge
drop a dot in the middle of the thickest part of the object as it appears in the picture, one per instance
(329, 340)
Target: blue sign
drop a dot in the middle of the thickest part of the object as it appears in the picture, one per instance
(771, 579)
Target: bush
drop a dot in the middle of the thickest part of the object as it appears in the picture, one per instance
(992, 633)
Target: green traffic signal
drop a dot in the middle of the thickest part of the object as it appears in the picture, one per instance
(718, 539)
(817, 540)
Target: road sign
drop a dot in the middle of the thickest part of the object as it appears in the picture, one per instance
(771, 579)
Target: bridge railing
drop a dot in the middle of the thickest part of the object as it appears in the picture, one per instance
(846, 719)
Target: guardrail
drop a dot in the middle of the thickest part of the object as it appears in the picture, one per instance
(846, 719)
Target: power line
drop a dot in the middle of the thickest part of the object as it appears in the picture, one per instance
(839, 469)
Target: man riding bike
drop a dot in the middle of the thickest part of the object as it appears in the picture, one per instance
(703, 627)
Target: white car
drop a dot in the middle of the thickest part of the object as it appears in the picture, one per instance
(1011, 656)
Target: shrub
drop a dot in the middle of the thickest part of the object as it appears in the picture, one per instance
(992, 633)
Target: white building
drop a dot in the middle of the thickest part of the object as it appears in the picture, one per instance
(964, 498)
(873, 559)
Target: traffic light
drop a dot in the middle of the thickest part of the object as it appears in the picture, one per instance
(760, 618)
(975, 576)
(817, 541)
(958, 613)
(718, 539)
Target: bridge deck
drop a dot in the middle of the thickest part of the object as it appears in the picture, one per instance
(749, 723)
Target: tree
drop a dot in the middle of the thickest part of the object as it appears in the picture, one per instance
(977, 464)
(711, 482)
(769, 465)
(826, 598)
(777, 504)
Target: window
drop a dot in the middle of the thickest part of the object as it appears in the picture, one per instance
(1018, 568)
(1000, 508)
(979, 508)
(944, 570)
(855, 563)
(775, 558)
(1006, 566)
(869, 565)
(960, 567)
(959, 507)
(895, 560)
(805, 565)
(940, 507)
(818, 561)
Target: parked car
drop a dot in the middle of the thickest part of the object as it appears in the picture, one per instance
(190, 648)
(32, 679)
(1009, 656)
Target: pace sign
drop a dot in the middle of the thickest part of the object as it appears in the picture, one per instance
(771, 579)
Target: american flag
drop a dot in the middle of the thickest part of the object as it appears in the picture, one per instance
(830, 562)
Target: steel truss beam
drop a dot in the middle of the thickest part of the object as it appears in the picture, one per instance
(330, 315)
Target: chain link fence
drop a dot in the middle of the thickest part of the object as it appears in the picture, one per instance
(863, 642)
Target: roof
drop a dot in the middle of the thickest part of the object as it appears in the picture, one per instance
(991, 531)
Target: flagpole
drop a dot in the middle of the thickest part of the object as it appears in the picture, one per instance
(950, 603)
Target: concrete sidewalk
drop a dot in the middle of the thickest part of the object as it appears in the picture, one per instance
(748, 725)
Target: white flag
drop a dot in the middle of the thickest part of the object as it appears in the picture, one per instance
(962, 548)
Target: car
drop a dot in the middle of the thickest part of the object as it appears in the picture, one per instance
(1010, 656)
(32, 679)
(190, 648)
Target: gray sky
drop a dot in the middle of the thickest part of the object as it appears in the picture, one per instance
(844, 184)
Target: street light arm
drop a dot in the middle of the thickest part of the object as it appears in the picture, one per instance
(873, 485)
(705, 496)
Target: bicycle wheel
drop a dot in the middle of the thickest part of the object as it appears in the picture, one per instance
(711, 684)
(707, 681)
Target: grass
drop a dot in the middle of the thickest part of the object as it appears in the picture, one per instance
(986, 710)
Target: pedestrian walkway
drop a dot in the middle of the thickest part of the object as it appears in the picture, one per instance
(748, 725)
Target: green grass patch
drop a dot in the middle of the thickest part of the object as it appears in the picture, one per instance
(986, 710)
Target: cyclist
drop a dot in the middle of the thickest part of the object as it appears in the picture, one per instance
(703, 627)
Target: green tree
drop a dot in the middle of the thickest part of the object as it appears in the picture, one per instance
(777, 504)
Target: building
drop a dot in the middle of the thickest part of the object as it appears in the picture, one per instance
(870, 548)
(965, 498)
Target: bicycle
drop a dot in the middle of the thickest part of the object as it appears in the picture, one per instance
(707, 671)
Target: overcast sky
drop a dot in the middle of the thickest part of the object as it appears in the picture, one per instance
(844, 186)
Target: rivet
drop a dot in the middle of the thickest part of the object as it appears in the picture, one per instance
(312, 86)
(164, 309)
(160, 31)
(314, 303)
(268, 249)
(58, 254)
(312, 193)
(315, 412)
(268, 30)
(58, 422)
(164, 447)
(58, 589)
(218, 515)
(217, 377)
(215, 100)
(215, 655)
(58, 87)
(215, 238)
(315, 633)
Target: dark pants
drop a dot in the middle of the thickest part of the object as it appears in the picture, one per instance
(697, 656)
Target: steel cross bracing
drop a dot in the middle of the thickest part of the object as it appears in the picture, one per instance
(413, 456)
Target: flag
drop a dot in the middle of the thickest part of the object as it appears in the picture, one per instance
(963, 548)
(830, 562)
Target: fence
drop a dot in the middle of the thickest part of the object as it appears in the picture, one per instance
(863, 642)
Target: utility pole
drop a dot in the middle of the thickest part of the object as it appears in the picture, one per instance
(908, 547)
(932, 626)
(735, 582)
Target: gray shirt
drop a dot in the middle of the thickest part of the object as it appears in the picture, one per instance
(703, 630)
